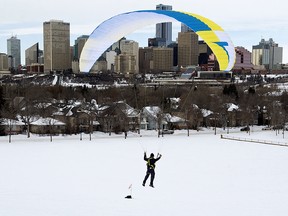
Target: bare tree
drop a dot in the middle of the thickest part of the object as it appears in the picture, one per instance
(29, 112)
(160, 118)
(9, 113)
(276, 115)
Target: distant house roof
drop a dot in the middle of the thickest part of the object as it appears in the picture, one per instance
(11, 121)
(69, 113)
(152, 110)
(232, 107)
(58, 113)
(174, 119)
(47, 121)
(120, 105)
(127, 109)
(206, 112)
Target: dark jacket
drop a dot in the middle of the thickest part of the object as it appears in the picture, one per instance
(151, 161)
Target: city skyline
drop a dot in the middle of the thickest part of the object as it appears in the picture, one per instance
(245, 23)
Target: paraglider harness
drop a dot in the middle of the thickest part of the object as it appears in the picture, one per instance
(151, 162)
(149, 165)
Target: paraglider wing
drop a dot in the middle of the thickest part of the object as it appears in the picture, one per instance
(118, 26)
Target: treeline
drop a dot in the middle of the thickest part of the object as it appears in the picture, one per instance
(258, 104)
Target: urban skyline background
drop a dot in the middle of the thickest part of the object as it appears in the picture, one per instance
(245, 28)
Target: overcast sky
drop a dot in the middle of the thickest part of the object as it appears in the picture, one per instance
(245, 21)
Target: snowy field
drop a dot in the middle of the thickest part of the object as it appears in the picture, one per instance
(200, 175)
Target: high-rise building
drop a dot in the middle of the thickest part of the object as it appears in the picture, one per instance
(145, 59)
(267, 53)
(116, 46)
(156, 59)
(204, 55)
(110, 59)
(79, 44)
(32, 54)
(188, 48)
(3, 62)
(156, 42)
(162, 59)
(185, 28)
(164, 30)
(243, 59)
(14, 51)
(33, 59)
(56, 46)
(125, 64)
(130, 48)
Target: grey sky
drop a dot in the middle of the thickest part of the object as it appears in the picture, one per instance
(245, 21)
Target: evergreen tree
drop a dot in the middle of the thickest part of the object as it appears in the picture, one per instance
(231, 91)
(251, 90)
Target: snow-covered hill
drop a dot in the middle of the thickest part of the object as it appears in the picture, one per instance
(201, 175)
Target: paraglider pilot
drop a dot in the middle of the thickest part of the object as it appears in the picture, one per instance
(150, 168)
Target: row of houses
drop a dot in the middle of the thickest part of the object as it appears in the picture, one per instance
(88, 117)
(117, 117)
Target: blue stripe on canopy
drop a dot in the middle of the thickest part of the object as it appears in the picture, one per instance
(192, 22)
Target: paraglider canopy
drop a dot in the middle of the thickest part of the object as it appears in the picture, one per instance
(118, 26)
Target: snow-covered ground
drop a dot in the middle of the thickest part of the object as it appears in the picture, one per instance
(201, 175)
